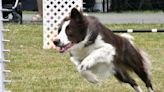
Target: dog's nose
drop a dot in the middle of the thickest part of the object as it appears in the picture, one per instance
(56, 42)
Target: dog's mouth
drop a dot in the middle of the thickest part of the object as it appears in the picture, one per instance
(64, 48)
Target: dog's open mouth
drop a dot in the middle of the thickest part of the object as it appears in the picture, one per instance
(64, 48)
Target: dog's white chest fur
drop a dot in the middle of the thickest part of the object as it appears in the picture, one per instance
(94, 61)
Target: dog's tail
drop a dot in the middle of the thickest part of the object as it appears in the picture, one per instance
(128, 37)
(146, 61)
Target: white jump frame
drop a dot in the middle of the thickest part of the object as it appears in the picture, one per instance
(2, 50)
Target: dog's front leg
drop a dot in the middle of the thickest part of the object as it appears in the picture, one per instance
(75, 61)
(101, 55)
(87, 73)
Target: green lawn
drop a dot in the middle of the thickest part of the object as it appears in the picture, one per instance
(37, 70)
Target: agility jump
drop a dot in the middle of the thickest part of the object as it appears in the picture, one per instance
(2, 50)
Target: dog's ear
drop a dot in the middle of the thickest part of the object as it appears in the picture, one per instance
(76, 15)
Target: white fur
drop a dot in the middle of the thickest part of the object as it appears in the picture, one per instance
(137, 88)
(62, 34)
(149, 89)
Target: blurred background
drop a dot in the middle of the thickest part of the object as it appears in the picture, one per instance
(31, 10)
(108, 5)
(123, 5)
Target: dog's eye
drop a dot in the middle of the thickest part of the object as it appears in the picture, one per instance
(67, 28)
(59, 30)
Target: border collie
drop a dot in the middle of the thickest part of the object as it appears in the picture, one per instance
(98, 53)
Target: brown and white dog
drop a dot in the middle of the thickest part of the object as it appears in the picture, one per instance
(97, 52)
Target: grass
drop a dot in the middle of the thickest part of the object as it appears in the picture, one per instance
(37, 70)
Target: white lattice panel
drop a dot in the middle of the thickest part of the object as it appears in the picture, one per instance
(54, 11)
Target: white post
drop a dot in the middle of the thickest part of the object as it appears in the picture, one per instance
(2, 88)
(2, 60)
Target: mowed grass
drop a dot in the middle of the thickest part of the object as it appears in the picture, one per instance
(37, 70)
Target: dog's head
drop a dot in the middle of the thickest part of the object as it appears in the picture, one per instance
(73, 30)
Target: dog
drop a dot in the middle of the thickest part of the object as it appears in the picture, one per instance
(98, 53)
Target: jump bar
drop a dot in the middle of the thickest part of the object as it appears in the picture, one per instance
(138, 31)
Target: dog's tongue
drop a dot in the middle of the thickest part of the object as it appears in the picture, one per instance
(62, 49)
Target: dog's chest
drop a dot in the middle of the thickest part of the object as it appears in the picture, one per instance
(80, 53)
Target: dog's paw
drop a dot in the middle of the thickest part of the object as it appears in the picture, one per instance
(84, 67)
(86, 64)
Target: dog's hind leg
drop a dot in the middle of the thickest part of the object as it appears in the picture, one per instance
(149, 89)
(146, 78)
(145, 73)
(123, 76)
